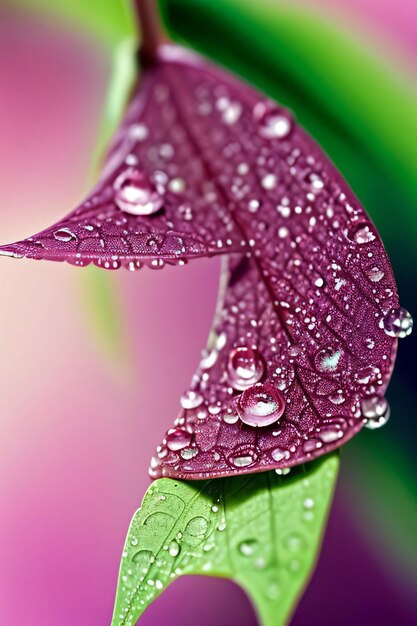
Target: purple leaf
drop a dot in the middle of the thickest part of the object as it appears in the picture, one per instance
(305, 337)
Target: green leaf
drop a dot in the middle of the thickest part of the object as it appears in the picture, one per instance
(261, 530)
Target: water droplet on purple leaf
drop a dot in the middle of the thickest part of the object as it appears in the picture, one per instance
(397, 323)
(261, 405)
(136, 194)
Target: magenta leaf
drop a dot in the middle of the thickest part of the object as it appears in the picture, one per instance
(305, 336)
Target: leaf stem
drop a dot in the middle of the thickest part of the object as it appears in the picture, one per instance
(152, 32)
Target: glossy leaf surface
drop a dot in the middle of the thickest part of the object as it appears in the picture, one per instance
(262, 531)
(300, 355)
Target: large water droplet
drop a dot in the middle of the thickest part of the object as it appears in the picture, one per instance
(136, 194)
(397, 323)
(245, 367)
(261, 405)
(178, 438)
(376, 411)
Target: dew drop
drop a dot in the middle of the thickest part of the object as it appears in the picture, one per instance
(361, 234)
(142, 559)
(337, 398)
(191, 400)
(328, 359)
(375, 274)
(328, 435)
(261, 405)
(138, 132)
(311, 445)
(308, 503)
(274, 123)
(196, 527)
(253, 205)
(231, 113)
(242, 461)
(177, 439)
(279, 455)
(269, 181)
(136, 194)
(245, 367)
(315, 181)
(65, 235)
(230, 418)
(397, 323)
(174, 549)
(189, 453)
(376, 412)
(367, 375)
(293, 542)
(248, 547)
(176, 185)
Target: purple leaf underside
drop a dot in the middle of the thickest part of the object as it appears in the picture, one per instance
(304, 340)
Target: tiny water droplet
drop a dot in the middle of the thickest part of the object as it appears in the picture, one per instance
(245, 367)
(261, 405)
(315, 181)
(311, 445)
(248, 547)
(136, 194)
(231, 113)
(174, 549)
(375, 274)
(139, 132)
(397, 323)
(177, 185)
(274, 123)
(269, 181)
(293, 542)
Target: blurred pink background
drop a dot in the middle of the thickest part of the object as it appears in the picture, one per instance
(78, 427)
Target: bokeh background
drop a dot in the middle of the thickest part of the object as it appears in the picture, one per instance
(92, 364)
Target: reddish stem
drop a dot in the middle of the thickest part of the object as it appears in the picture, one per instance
(152, 32)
